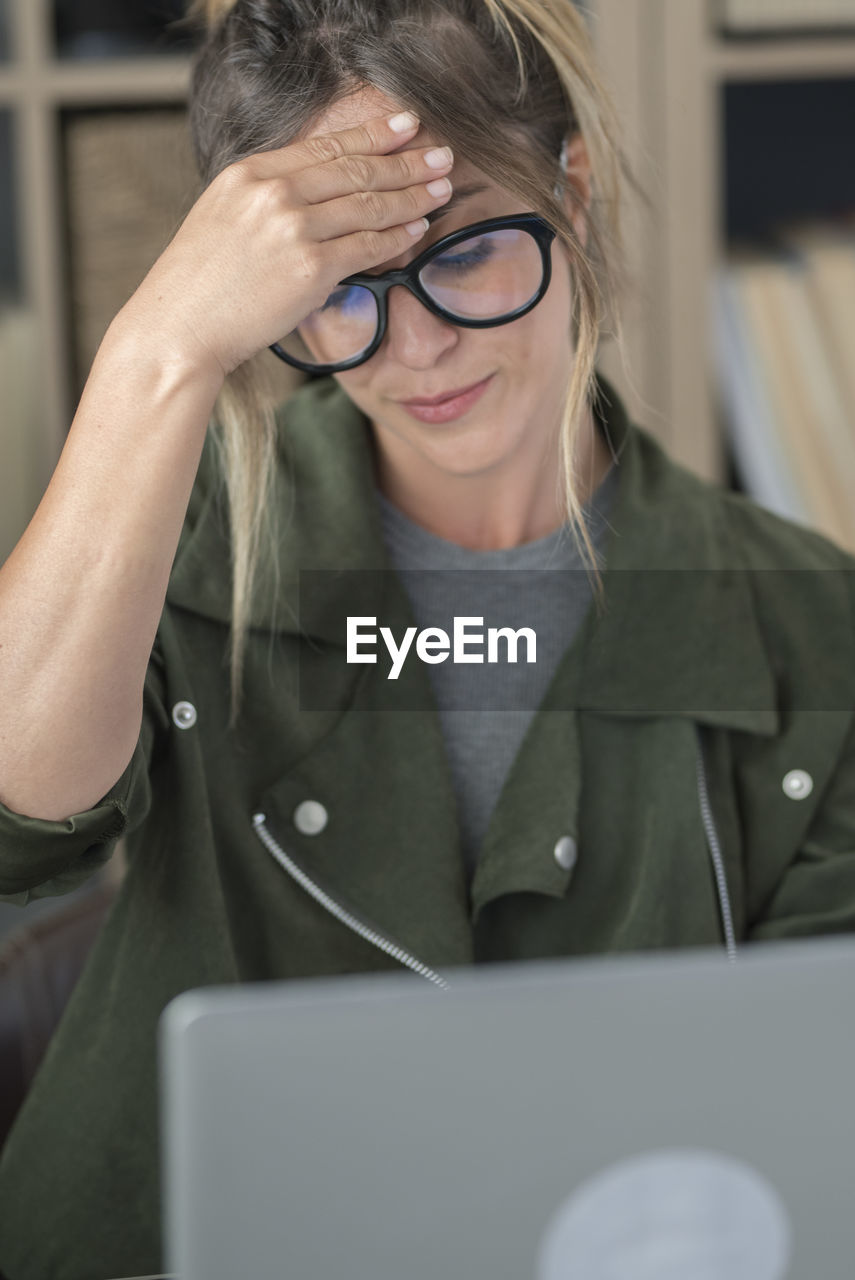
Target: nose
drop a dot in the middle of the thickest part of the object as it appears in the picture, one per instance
(415, 336)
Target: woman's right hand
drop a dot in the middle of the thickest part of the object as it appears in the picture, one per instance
(82, 593)
(273, 234)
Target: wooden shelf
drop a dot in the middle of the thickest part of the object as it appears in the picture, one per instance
(782, 59)
(109, 81)
(99, 82)
(12, 86)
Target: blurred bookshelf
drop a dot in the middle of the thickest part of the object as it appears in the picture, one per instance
(734, 113)
(741, 328)
(96, 174)
(45, 81)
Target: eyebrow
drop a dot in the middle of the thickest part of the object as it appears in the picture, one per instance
(458, 195)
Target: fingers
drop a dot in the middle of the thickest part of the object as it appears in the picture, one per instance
(358, 193)
(331, 167)
(342, 189)
(354, 174)
(372, 137)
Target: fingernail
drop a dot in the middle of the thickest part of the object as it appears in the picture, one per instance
(403, 123)
(439, 157)
(439, 187)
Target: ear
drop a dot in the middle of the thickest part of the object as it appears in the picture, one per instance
(578, 187)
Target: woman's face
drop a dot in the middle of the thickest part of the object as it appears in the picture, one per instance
(423, 355)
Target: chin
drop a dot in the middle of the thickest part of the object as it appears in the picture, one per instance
(460, 456)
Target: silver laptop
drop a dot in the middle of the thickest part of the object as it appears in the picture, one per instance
(661, 1117)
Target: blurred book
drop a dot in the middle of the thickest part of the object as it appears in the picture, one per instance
(829, 254)
(130, 181)
(778, 15)
(10, 272)
(783, 325)
(5, 47)
(763, 468)
(22, 470)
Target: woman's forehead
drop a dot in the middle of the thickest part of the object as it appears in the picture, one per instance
(356, 108)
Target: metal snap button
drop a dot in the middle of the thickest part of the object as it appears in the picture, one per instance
(565, 853)
(184, 715)
(310, 817)
(797, 784)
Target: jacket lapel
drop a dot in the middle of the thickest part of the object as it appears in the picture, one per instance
(679, 634)
(389, 851)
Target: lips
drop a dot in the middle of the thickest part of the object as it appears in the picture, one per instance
(449, 407)
(422, 401)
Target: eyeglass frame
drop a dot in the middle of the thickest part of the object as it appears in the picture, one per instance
(379, 285)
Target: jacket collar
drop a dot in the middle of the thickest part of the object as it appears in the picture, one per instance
(679, 634)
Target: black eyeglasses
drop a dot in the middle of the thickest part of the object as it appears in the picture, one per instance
(486, 274)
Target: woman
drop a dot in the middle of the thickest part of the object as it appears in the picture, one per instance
(174, 622)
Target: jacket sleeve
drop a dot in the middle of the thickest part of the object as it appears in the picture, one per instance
(44, 858)
(816, 892)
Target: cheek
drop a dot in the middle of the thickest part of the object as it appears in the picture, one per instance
(544, 335)
(355, 382)
(541, 338)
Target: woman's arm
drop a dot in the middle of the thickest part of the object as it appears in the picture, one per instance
(82, 593)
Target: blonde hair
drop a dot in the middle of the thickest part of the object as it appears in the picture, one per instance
(482, 75)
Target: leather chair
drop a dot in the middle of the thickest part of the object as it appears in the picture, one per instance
(40, 963)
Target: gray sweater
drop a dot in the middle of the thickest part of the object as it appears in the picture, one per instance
(485, 708)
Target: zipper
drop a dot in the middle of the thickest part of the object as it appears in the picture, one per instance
(377, 939)
(259, 822)
(715, 854)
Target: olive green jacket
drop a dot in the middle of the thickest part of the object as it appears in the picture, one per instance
(705, 706)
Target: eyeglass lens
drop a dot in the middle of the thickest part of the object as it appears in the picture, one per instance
(490, 275)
